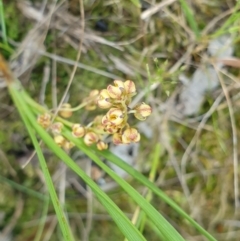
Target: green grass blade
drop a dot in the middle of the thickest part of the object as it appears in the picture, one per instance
(231, 25)
(163, 225)
(117, 161)
(62, 219)
(152, 176)
(58, 209)
(169, 232)
(124, 224)
(3, 26)
(142, 179)
(24, 189)
(190, 18)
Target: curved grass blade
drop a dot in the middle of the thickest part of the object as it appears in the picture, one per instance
(24, 189)
(138, 176)
(190, 17)
(124, 224)
(142, 179)
(58, 209)
(162, 224)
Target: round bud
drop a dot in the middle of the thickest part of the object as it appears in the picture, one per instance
(130, 135)
(65, 110)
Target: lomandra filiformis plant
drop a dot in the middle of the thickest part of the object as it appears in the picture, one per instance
(117, 99)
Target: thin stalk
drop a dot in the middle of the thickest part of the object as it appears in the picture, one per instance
(24, 189)
(4, 32)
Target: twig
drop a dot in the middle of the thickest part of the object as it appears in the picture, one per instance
(48, 233)
(79, 65)
(46, 76)
(54, 84)
(216, 20)
(14, 219)
(76, 62)
(62, 183)
(149, 12)
(234, 139)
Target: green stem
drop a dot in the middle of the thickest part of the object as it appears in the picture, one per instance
(4, 32)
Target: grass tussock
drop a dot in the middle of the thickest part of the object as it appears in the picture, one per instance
(59, 52)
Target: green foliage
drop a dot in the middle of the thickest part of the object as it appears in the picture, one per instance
(128, 229)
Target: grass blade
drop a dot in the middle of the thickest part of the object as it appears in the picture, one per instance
(124, 224)
(58, 209)
(142, 179)
(24, 189)
(190, 17)
(163, 225)
(3, 26)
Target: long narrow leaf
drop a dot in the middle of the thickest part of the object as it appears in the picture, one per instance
(58, 209)
(142, 179)
(190, 17)
(3, 26)
(163, 225)
(24, 189)
(124, 224)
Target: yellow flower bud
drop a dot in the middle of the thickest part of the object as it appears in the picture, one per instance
(102, 145)
(119, 84)
(67, 145)
(117, 138)
(59, 140)
(90, 106)
(129, 87)
(111, 129)
(97, 123)
(104, 100)
(78, 130)
(105, 120)
(91, 100)
(90, 138)
(56, 128)
(115, 91)
(115, 116)
(142, 111)
(130, 135)
(65, 110)
(98, 120)
(94, 93)
(44, 120)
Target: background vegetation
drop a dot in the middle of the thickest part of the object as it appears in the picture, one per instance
(193, 159)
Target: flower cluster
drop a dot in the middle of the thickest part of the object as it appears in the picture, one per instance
(56, 129)
(116, 98)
